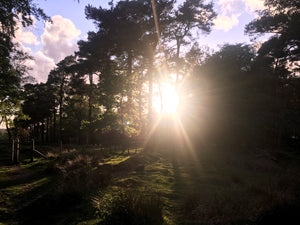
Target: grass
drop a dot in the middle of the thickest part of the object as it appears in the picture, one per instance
(19, 186)
(118, 157)
(216, 187)
(66, 178)
(135, 207)
(88, 186)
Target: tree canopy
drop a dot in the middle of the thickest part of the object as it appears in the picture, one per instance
(12, 70)
(113, 88)
(281, 19)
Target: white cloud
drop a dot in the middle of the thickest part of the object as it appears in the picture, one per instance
(41, 66)
(231, 6)
(253, 5)
(225, 22)
(58, 38)
(234, 6)
(231, 10)
(58, 41)
(24, 35)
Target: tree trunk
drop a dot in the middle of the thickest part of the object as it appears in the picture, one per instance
(36, 131)
(178, 42)
(90, 96)
(47, 129)
(7, 128)
(129, 73)
(161, 97)
(150, 94)
(54, 126)
(60, 111)
(90, 108)
(122, 115)
(140, 107)
(42, 130)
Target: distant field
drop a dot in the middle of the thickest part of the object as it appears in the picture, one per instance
(90, 186)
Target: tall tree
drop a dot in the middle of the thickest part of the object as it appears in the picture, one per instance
(282, 19)
(218, 94)
(59, 79)
(130, 28)
(11, 70)
(191, 15)
(39, 104)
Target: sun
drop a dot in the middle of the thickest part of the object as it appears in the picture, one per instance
(169, 99)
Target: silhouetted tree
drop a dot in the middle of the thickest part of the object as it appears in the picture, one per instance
(12, 71)
(59, 79)
(38, 104)
(282, 19)
(191, 17)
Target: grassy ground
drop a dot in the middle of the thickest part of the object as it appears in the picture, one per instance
(211, 186)
(21, 184)
(216, 187)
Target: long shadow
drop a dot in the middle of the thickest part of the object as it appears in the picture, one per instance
(64, 207)
(22, 178)
(187, 172)
(5, 157)
(50, 209)
(21, 201)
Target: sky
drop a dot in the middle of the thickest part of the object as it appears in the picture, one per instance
(51, 42)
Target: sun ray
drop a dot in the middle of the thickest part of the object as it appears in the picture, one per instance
(168, 101)
(182, 132)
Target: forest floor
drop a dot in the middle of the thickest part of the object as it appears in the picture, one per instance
(211, 186)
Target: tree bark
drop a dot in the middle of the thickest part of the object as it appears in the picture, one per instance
(60, 110)
(7, 128)
(54, 126)
(88, 139)
(47, 129)
(178, 42)
(150, 94)
(42, 130)
(161, 97)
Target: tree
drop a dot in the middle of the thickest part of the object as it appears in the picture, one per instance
(128, 28)
(11, 70)
(218, 92)
(282, 19)
(59, 79)
(39, 105)
(192, 15)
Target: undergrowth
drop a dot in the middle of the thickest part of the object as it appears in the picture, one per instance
(128, 207)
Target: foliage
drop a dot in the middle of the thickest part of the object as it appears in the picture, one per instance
(104, 93)
(129, 207)
(282, 19)
(12, 71)
(78, 172)
(240, 94)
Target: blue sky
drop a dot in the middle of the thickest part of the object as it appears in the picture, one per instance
(50, 43)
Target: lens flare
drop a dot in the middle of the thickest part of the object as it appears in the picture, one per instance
(169, 100)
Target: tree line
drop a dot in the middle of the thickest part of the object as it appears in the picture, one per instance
(103, 93)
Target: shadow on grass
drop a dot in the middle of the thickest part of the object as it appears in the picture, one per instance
(78, 174)
(217, 188)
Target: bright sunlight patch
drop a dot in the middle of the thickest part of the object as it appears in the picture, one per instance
(168, 101)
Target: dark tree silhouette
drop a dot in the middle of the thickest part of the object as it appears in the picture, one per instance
(282, 19)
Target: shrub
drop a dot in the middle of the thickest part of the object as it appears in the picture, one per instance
(129, 207)
(79, 172)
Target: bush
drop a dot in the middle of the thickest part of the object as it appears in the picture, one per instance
(129, 207)
(79, 172)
